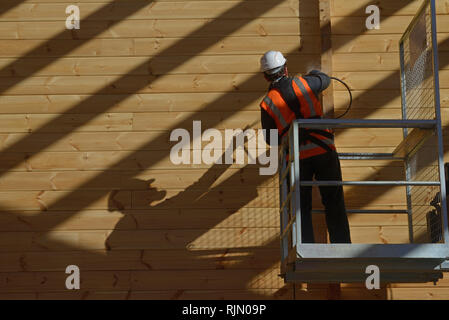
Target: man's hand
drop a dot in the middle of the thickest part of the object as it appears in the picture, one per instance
(314, 72)
(318, 81)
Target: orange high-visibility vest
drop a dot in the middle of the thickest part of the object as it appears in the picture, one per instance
(312, 141)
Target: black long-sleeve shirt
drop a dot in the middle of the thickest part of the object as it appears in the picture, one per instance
(317, 81)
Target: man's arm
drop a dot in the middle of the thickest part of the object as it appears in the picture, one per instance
(267, 124)
(317, 81)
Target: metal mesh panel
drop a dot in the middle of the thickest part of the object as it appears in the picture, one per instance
(423, 166)
(418, 103)
(418, 84)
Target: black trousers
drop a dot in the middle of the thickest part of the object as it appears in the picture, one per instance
(324, 167)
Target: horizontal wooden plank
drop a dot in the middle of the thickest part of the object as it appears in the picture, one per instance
(109, 1)
(106, 1)
(150, 219)
(284, 293)
(84, 141)
(215, 44)
(188, 102)
(244, 82)
(376, 43)
(361, 294)
(144, 280)
(380, 235)
(224, 120)
(121, 161)
(268, 279)
(371, 43)
(152, 135)
(159, 125)
(44, 200)
(377, 220)
(344, 8)
(364, 138)
(102, 199)
(166, 179)
(359, 111)
(391, 25)
(253, 294)
(143, 260)
(103, 122)
(191, 239)
(15, 146)
(375, 61)
(162, 102)
(373, 99)
(131, 84)
(48, 30)
(215, 198)
(169, 179)
(384, 80)
(381, 80)
(429, 293)
(179, 198)
(248, 294)
(127, 260)
(147, 219)
(142, 66)
(442, 283)
(159, 10)
(160, 140)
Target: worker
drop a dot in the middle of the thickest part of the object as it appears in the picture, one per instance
(291, 98)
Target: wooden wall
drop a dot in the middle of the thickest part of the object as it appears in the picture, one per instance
(85, 124)
(86, 115)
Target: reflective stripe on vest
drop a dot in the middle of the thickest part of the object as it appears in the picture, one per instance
(275, 111)
(312, 145)
(313, 107)
(313, 152)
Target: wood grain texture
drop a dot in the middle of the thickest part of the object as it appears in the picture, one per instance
(149, 47)
(254, 294)
(391, 25)
(85, 120)
(375, 61)
(341, 8)
(377, 43)
(159, 65)
(160, 29)
(180, 239)
(157, 10)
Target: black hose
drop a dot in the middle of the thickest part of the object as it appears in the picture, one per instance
(350, 97)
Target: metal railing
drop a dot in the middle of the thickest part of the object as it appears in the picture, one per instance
(421, 152)
(289, 177)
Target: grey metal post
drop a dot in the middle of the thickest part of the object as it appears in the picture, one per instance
(438, 118)
(291, 185)
(405, 133)
(282, 197)
(297, 177)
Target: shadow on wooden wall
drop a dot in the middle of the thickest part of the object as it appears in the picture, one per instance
(123, 279)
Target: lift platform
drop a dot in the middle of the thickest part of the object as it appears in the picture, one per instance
(426, 256)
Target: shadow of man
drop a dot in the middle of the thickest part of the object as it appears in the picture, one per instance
(198, 210)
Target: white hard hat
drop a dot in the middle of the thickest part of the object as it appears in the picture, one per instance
(272, 61)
